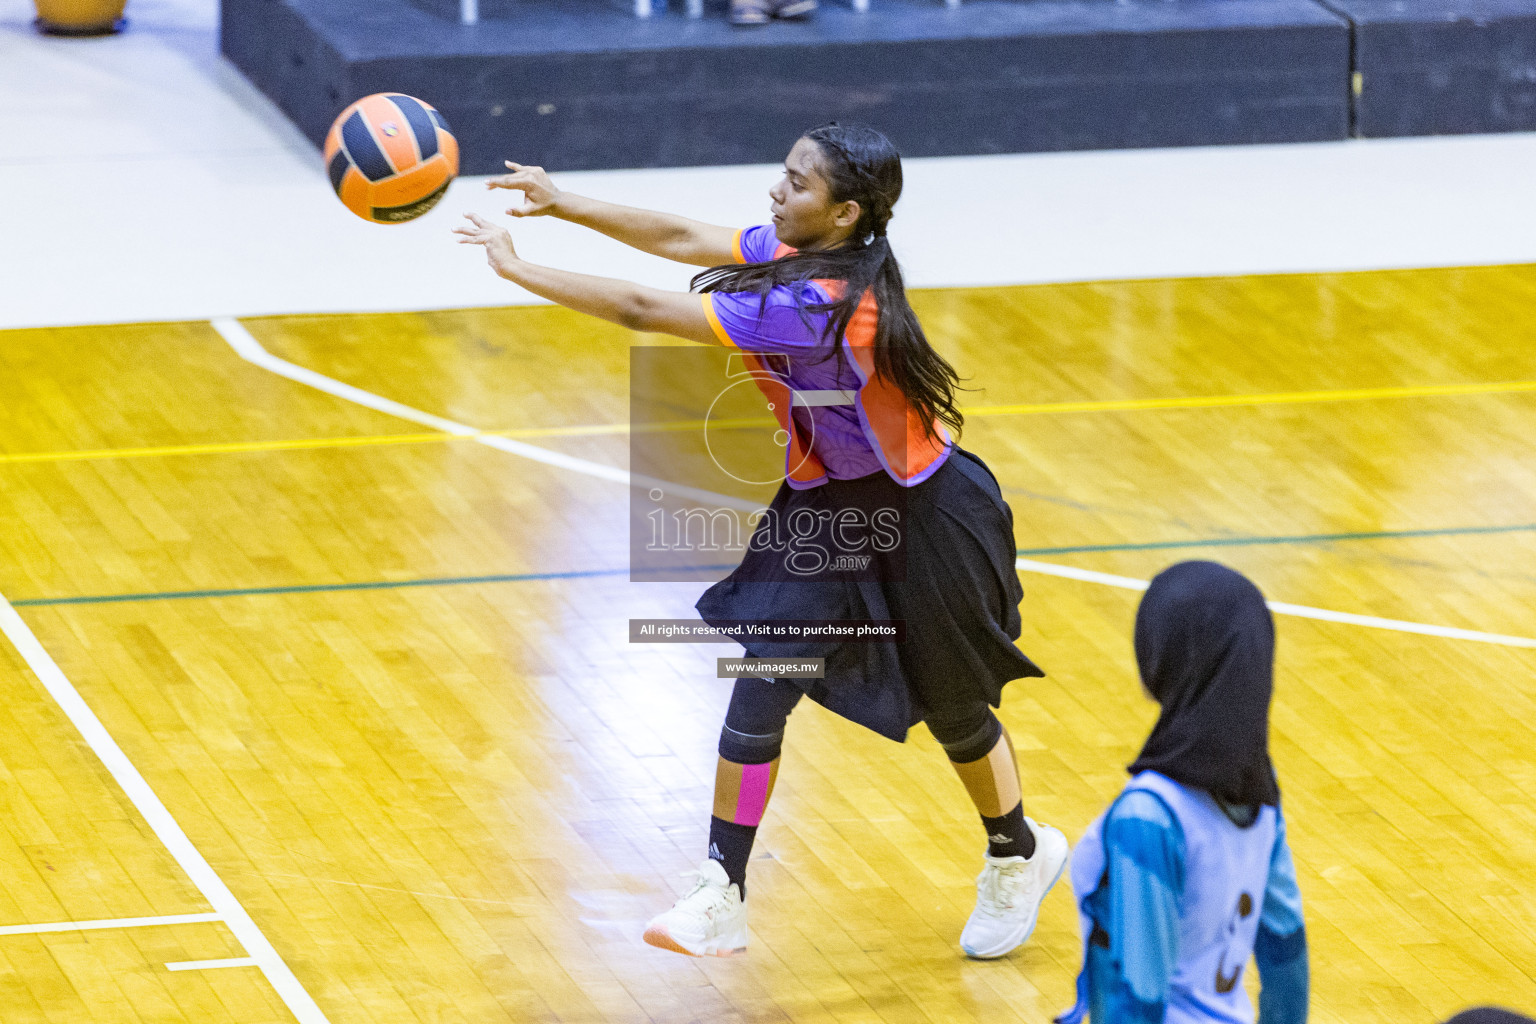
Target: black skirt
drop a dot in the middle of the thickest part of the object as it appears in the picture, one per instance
(951, 582)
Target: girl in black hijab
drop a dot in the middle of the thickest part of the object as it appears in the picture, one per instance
(1188, 872)
(1205, 644)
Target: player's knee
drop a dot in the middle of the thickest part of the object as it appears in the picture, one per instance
(749, 747)
(967, 737)
(754, 724)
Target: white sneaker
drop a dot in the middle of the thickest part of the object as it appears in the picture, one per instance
(710, 919)
(1009, 891)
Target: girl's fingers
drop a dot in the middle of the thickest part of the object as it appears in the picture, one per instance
(483, 233)
(513, 166)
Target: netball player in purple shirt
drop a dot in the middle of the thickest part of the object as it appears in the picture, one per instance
(817, 298)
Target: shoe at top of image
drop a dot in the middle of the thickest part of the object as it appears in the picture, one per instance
(760, 12)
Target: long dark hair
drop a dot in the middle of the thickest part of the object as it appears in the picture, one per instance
(861, 166)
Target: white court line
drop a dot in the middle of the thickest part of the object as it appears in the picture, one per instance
(210, 965)
(1300, 611)
(120, 922)
(1086, 575)
(224, 903)
(250, 350)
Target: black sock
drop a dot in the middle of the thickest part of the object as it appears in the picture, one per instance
(1009, 836)
(731, 845)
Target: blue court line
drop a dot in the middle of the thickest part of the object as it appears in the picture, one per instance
(317, 588)
(450, 581)
(1300, 538)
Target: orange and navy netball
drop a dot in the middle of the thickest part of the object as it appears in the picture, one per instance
(391, 157)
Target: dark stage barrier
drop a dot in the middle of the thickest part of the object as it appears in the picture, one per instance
(577, 84)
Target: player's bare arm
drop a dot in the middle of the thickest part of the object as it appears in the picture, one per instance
(660, 234)
(621, 302)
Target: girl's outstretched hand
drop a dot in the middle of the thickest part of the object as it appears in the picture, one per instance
(496, 239)
(539, 193)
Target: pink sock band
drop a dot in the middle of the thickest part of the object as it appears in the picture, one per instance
(752, 799)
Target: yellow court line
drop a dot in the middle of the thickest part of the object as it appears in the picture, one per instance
(223, 447)
(610, 429)
(1280, 398)
(362, 441)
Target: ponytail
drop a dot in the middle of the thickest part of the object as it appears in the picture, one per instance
(860, 165)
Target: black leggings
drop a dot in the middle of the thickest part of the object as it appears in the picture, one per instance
(754, 725)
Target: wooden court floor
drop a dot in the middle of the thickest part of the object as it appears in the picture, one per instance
(447, 798)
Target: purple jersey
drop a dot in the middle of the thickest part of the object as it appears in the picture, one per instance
(744, 320)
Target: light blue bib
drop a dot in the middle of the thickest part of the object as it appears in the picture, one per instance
(1226, 872)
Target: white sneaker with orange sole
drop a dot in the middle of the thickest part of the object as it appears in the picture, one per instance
(709, 920)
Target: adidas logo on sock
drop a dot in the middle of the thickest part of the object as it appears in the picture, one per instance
(999, 839)
(714, 853)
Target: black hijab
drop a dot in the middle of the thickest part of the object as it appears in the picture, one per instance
(1205, 644)
(1489, 1015)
